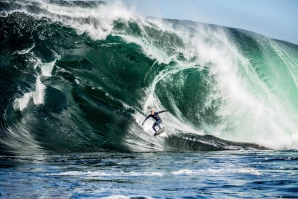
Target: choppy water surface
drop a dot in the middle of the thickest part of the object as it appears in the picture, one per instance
(239, 174)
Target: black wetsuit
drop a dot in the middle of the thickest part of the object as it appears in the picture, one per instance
(157, 119)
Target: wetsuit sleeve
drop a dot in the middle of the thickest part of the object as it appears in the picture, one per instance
(162, 111)
(146, 119)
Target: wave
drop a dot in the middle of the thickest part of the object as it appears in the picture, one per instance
(82, 76)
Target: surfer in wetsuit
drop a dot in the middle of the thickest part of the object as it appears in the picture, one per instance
(155, 116)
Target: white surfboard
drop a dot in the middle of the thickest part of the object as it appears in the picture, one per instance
(159, 131)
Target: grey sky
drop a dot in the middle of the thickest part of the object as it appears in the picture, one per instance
(273, 18)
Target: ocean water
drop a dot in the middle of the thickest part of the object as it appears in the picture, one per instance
(225, 174)
(78, 78)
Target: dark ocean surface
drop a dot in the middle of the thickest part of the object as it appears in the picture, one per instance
(225, 174)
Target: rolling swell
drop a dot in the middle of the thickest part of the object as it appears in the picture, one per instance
(67, 89)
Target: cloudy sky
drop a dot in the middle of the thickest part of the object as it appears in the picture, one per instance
(277, 19)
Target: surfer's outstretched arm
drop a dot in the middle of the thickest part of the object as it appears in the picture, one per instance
(145, 119)
(162, 111)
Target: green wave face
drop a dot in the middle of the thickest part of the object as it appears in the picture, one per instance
(77, 77)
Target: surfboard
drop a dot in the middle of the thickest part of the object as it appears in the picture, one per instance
(159, 131)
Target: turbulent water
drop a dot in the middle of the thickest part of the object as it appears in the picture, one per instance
(80, 77)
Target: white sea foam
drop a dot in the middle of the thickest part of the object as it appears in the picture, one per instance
(105, 174)
(46, 68)
(25, 51)
(37, 96)
(39, 93)
(21, 103)
(186, 172)
(100, 18)
(216, 171)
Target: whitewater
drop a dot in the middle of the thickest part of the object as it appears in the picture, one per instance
(78, 79)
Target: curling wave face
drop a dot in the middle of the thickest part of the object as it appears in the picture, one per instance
(81, 76)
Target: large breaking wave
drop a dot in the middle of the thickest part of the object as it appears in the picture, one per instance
(82, 76)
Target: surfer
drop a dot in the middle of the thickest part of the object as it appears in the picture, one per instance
(155, 116)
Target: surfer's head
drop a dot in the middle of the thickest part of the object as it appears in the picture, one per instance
(152, 111)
